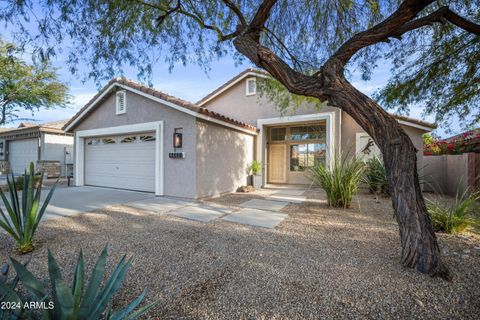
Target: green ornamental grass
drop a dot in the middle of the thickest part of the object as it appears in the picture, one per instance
(340, 180)
(457, 215)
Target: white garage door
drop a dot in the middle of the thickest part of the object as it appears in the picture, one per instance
(124, 162)
(21, 152)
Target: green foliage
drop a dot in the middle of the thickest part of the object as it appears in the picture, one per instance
(10, 294)
(437, 68)
(340, 180)
(82, 300)
(26, 86)
(457, 215)
(109, 34)
(23, 215)
(19, 181)
(428, 138)
(255, 167)
(375, 176)
(286, 102)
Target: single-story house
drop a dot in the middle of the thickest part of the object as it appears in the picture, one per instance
(46, 145)
(134, 137)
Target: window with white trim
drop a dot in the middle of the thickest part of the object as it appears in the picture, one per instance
(121, 102)
(365, 147)
(128, 139)
(251, 86)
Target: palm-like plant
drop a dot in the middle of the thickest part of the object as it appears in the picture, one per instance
(340, 180)
(24, 214)
(455, 216)
(78, 302)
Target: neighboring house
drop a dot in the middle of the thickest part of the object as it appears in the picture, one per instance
(47, 145)
(133, 137)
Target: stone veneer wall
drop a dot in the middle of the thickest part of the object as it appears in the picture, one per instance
(51, 169)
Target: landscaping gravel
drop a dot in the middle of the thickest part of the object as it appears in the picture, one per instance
(318, 263)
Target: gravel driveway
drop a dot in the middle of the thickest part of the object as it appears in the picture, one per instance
(318, 263)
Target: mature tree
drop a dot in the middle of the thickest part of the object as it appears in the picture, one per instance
(26, 86)
(309, 47)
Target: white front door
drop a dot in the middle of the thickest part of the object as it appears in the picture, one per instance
(21, 153)
(277, 163)
(123, 161)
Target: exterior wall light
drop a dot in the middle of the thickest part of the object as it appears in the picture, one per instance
(177, 139)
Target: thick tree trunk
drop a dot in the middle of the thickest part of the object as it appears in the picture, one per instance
(419, 245)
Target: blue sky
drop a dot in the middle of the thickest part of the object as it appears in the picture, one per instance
(190, 83)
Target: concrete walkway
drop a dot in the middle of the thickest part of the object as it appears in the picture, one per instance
(74, 200)
(256, 212)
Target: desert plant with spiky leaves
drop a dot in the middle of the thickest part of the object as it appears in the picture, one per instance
(80, 301)
(24, 213)
(9, 294)
(340, 179)
(457, 215)
(375, 176)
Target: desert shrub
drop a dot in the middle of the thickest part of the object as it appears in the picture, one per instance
(340, 180)
(375, 176)
(23, 216)
(20, 181)
(457, 215)
(82, 300)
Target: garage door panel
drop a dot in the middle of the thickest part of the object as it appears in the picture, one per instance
(21, 153)
(120, 165)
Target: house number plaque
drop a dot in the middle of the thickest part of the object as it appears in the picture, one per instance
(176, 155)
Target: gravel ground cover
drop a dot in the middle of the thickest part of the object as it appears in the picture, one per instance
(319, 263)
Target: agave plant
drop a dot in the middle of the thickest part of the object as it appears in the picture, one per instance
(24, 213)
(457, 215)
(11, 298)
(340, 180)
(79, 302)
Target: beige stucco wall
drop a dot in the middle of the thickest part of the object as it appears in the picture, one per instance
(447, 174)
(222, 159)
(179, 174)
(235, 103)
(350, 128)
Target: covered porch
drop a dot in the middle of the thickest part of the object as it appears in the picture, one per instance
(288, 147)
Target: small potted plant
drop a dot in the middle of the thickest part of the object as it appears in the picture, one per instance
(255, 167)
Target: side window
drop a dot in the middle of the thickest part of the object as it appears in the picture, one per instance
(108, 141)
(251, 86)
(366, 147)
(93, 142)
(121, 102)
(128, 139)
(147, 138)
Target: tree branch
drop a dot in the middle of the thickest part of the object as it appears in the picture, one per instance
(256, 25)
(442, 15)
(237, 11)
(169, 11)
(380, 32)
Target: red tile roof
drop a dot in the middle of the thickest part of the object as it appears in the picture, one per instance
(163, 96)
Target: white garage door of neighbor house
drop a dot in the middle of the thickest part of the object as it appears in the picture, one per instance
(124, 162)
(20, 153)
